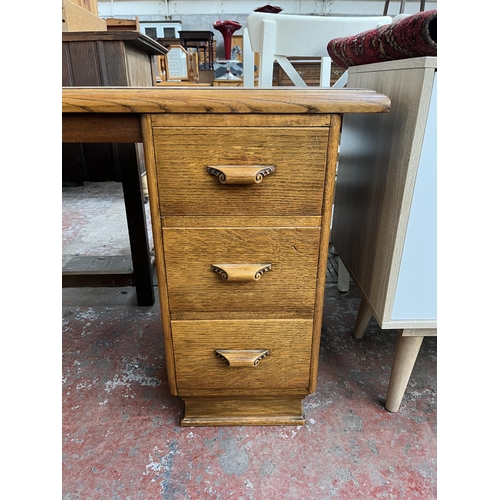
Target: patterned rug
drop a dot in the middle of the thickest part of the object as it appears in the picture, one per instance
(412, 36)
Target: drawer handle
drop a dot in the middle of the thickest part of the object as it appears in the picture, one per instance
(240, 272)
(241, 358)
(249, 174)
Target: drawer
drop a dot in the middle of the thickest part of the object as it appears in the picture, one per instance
(199, 368)
(194, 285)
(185, 187)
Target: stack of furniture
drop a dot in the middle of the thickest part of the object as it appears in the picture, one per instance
(179, 68)
(201, 46)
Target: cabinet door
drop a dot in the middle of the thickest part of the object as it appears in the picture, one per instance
(416, 291)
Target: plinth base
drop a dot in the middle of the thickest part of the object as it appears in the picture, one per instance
(219, 411)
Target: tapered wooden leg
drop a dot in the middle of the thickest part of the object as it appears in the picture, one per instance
(407, 348)
(343, 273)
(362, 319)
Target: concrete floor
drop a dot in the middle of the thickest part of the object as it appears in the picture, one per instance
(121, 434)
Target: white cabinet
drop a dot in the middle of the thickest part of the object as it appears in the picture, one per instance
(384, 226)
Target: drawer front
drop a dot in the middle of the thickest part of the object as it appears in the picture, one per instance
(185, 187)
(285, 366)
(195, 285)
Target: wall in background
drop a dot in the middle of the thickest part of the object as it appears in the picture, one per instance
(201, 14)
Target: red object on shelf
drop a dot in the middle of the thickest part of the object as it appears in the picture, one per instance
(269, 8)
(227, 28)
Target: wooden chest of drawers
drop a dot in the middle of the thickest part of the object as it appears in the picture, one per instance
(241, 185)
(242, 259)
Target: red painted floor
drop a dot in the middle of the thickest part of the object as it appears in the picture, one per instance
(121, 433)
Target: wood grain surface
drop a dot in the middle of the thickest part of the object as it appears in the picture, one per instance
(199, 368)
(246, 410)
(281, 223)
(221, 100)
(186, 188)
(290, 285)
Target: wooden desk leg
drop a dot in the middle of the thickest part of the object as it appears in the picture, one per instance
(405, 355)
(137, 226)
(362, 319)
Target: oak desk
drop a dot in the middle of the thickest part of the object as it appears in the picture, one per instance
(241, 186)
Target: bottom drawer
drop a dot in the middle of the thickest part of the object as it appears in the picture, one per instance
(199, 368)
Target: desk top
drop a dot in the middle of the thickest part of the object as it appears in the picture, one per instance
(286, 100)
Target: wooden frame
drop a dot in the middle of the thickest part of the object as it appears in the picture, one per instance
(193, 73)
(176, 61)
(114, 24)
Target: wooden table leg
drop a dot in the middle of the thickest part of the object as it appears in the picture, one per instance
(137, 226)
(405, 355)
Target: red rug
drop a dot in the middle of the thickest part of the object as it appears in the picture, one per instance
(412, 36)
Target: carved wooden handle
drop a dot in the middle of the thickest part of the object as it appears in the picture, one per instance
(240, 272)
(248, 174)
(241, 358)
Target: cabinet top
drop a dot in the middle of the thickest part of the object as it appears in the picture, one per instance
(131, 37)
(411, 63)
(143, 100)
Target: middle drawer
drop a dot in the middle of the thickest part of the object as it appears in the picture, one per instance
(196, 259)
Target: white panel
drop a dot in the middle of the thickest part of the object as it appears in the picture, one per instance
(416, 293)
(179, 8)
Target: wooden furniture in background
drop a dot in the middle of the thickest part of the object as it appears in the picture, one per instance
(309, 70)
(182, 84)
(241, 229)
(161, 73)
(121, 58)
(81, 15)
(203, 45)
(114, 24)
(402, 4)
(227, 83)
(384, 225)
(176, 63)
(191, 63)
(203, 42)
(167, 42)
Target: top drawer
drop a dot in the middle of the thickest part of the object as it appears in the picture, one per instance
(185, 187)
